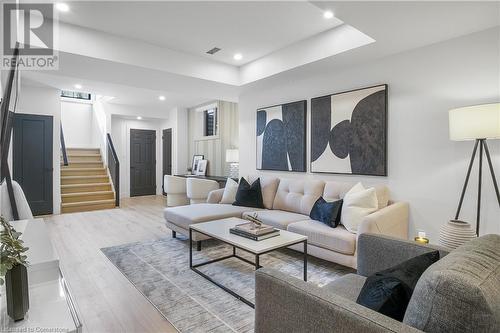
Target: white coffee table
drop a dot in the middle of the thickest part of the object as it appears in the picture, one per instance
(219, 229)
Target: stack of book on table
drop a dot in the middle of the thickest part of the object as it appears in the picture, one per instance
(251, 231)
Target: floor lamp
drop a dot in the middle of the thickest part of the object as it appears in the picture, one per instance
(479, 123)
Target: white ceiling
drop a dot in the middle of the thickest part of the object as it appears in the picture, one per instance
(253, 29)
(121, 94)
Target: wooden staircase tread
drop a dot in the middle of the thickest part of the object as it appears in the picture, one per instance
(83, 155)
(88, 203)
(84, 177)
(85, 169)
(82, 162)
(92, 188)
(73, 165)
(84, 185)
(76, 194)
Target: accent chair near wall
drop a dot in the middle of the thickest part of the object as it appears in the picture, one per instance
(198, 189)
(175, 187)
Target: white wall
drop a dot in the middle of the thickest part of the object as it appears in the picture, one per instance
(46, 101)
(100, 127)
(179, 125)
(425, 168)
(213, 148)
(76, 120)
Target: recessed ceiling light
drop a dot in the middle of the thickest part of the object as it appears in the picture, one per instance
(328, 14)
(139, 118)
(78, 86)
(62, 7)
(161, 98)
(238, 56)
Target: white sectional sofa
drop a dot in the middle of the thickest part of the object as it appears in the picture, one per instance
(288, 204)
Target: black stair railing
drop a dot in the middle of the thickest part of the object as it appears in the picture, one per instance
(63, 148)
(114, 167)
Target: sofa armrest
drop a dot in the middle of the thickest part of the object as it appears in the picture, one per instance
(215, 196)
(287, 304)
(392, 220)
(379, 252)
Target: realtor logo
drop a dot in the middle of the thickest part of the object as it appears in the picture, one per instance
(31, 26)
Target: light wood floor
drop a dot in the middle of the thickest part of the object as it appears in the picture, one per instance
(108, 302)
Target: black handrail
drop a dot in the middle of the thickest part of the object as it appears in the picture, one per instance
(6, 119)
(114, 167)
(63, 148)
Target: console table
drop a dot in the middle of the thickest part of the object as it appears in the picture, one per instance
(52, 307)
(219, 179)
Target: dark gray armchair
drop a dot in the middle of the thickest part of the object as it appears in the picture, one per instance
(459, 293)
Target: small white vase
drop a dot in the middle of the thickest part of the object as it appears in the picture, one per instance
(455, 233)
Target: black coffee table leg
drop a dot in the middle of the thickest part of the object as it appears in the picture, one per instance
(305, 260)
(190, 248)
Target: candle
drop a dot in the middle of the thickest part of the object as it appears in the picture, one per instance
(421, 238)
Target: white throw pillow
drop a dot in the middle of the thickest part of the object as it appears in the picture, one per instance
(229, 195)
(358, 203)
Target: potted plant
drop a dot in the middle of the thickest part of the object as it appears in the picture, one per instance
(13, 266)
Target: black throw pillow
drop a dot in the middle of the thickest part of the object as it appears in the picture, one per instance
(327, 212)
(389, 291)
(249, 195)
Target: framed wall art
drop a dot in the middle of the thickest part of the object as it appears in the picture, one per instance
(349, 132)
(281, 137)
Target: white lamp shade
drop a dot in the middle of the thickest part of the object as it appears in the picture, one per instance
(475, 122)
(232, 155)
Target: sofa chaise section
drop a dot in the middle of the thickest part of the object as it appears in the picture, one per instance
(179, 218)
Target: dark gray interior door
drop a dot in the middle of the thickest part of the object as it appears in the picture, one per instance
(142, 162)
(32, 160)
(167, 154)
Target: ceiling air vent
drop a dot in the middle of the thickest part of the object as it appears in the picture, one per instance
(213, 51)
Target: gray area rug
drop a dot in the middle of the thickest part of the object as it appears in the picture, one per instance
(160, 271)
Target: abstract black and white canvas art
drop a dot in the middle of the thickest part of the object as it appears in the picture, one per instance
(281, 137)
(349, 132)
